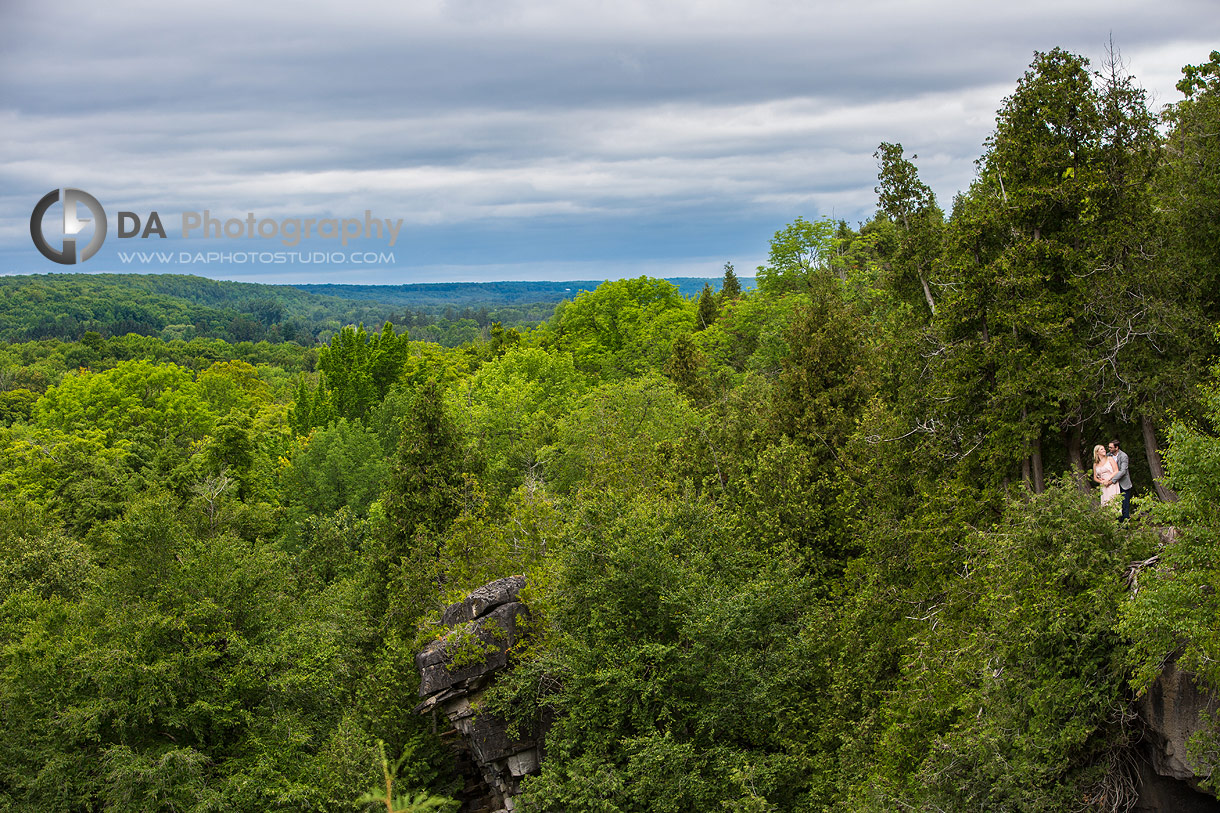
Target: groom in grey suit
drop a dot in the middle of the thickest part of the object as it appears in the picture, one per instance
(1123, 478)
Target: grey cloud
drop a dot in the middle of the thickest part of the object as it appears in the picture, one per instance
(524, 111)
(374, 57)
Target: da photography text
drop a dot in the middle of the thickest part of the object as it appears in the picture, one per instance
(193, 225)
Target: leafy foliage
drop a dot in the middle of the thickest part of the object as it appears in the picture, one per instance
(1174, 613)
(623, 327)
(823, 545)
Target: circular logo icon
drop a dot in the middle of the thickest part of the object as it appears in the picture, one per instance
(73, 225)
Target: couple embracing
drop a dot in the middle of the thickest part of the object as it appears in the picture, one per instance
(1110, 470)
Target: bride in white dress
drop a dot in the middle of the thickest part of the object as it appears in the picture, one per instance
(1104, 468)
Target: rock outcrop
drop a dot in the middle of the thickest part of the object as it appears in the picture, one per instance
(454, 672)
(1172, 710)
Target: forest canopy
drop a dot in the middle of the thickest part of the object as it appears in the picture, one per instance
(831, 543)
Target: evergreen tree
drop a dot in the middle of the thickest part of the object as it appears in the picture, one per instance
(911, 205)
(730, 289)
(425, 489)
(1143, 312)
(423, 497)
(1184, 283)
(706, 310)
(301, 411)
(1191, 181)
(1017, 272)
(684, 368)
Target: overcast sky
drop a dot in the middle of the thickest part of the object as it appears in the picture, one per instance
(518, 139)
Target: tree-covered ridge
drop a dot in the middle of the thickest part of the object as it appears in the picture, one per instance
(829, 544)
(475, 294)
(65, 306)
(176, 306)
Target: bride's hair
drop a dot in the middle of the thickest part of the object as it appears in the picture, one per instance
(1099, 452)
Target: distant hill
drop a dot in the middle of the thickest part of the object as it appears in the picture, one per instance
(475, 294)
(66, 306)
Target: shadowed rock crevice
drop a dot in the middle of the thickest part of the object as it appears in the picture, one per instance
(1172, 711)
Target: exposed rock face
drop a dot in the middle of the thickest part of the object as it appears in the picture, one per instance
(1172, 711)
(457, 669)
(454, 672)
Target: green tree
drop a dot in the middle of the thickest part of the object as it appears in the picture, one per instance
(1173, 615)
(800, 253)
(615, 436)
(340, 466)
(751, 334)
(231, 450)
(16, 406)
(502, 340)
(622, 327)
(425, 487)
(424, 494)
(360, 369)
(302, 406)
(827, 375)
(664, 627)
(1016, 259)
(486, 542)
(730, 288)
(1191, 178)
(1021, 667)
(1142, 313)
(911, 205)
(79, 479)
(706, 309)
(189, 673)
(1164, 357)
(154, 405)
(686, 367)
(509, 409)
(230, 385)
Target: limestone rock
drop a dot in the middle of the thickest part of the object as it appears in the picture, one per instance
(487, 597)
(455, 670)
(495, 632)
(1172, 711)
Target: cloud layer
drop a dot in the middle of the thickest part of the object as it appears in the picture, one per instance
(626, 137)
